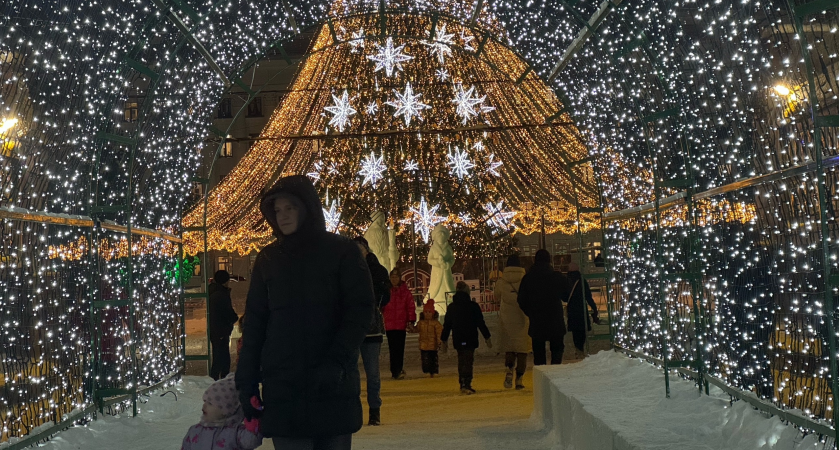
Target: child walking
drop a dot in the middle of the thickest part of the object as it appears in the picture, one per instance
(464, 320)
(430, 330)
(221, 426)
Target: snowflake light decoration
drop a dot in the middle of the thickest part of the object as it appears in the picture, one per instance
(389, 57)
(478, 146)
(372, 168)
(442, 75)
(407, 104)
(499, 217)
(467, 39)
(332, 216)
(341, 110)
(441, 45)
(357, 41)
(315, 175)
(466, 104)
(425, 218)
(371, 108)
(459, 163)
(492, 165)
(411, 166)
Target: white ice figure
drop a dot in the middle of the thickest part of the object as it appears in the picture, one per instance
(441, 258)
(392, 248)
(377, 237)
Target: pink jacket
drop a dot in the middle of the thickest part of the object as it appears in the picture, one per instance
(400, 311)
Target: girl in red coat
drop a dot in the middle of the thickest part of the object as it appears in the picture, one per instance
(399, 314)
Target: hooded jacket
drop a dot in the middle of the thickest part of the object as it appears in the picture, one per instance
(308, 309)
(400, 310)
(464, 319)
(429, 329)
(541, 299)
(513, 323)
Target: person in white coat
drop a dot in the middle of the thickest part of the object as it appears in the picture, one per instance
(513, 323)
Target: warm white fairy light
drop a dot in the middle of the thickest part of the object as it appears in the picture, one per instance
(341, 111)
(408, 105)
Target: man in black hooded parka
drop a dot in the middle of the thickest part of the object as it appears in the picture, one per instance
(308, 309)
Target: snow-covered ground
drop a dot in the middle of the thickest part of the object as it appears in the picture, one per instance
(609, 401)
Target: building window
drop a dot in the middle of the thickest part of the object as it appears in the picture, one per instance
(131, 109)
(227, 148)
(224, 111)
(198, 189)
(223, 263)
(255, 107)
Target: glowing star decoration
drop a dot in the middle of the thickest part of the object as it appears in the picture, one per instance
(459, 163)
(389, 57)
(492, 165)
(498, 216)
(411, 166)
(478, 146)
(467, 39)
(332, 216)
(465, 218)
(357, 41)
(407, 104)
(341, 111)
(466, 104)
(442, 75)
(441, 45)
(372, 168)
(425, 219)
(371, 108)
(315, 175)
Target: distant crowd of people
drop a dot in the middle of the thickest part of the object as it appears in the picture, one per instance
(318, 302)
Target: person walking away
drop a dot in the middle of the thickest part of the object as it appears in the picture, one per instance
(579, 321)
(464, 320)
(430, 330)
(222, 317)
(308, 310)
(399, 314)
(372, 344)
(541, 299)
(221, 426)
(513, 323)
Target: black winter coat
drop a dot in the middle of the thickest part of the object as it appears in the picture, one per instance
(381, 292)
(307, 312)
(578, 317)
(220, 310)
(464, 319)
(541, 299)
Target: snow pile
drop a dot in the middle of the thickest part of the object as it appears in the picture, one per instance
(609, 401)
(161, 422)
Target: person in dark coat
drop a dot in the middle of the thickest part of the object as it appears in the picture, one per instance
(308, 310)
(576, 292)
(222, 318)
(541, 299)
(464, 320)
(372, 344)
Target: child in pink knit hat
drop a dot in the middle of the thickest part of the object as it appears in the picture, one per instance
(221, 426)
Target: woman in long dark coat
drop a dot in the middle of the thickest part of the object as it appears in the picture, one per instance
(308, 309)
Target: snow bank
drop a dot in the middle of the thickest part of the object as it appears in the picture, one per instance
(161, 422)
(609, 401)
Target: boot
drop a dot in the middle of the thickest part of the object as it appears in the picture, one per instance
(519, 385)
(509, 378)
(374, 417)
(466, 388)
(579, 354)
